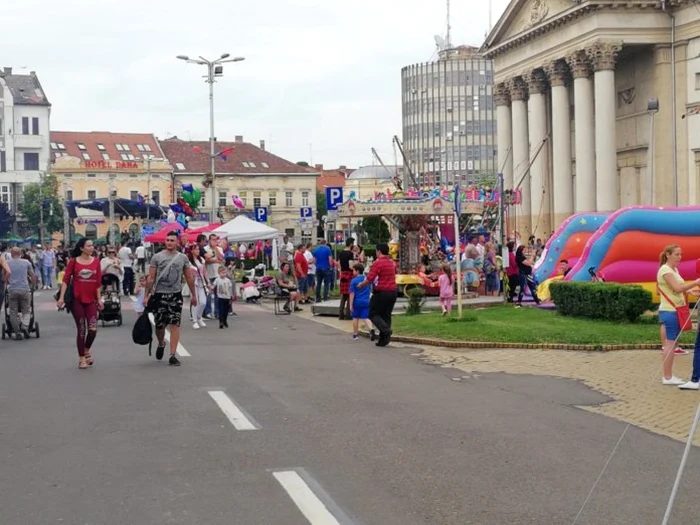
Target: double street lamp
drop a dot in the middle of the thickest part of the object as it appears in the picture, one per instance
(214, 69)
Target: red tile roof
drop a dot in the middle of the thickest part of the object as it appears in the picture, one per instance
(193, 157)
(138, 144)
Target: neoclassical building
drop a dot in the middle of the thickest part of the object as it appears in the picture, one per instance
(574, 83)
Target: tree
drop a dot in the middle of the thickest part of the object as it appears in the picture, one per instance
(321, 210)
(376, 230)
(43, 194)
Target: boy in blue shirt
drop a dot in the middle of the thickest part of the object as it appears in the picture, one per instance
(359, 303)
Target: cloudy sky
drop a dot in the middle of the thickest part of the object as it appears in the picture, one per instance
(321, 79)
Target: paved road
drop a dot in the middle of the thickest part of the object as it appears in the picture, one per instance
(338, 430)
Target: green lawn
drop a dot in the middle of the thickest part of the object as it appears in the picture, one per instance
(507, 324)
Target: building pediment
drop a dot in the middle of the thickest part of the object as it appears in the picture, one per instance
(523, 15)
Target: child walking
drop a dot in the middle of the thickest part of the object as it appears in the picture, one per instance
(140, 292)
(224, 293)
(359, 303)
(446, 289)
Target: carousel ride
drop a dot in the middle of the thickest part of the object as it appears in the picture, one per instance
(423, 226)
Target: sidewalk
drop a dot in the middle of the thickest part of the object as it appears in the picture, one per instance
(632, 378)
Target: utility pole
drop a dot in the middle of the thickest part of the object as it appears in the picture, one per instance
(66, 220)
(148, 190)
(212, 140)
(42, 233)
(110, 234)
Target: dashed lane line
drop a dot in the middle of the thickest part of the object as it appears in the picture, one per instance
(313, 502)
(238, 418)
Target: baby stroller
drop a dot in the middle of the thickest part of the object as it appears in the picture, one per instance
(112, 311)
(32, 328)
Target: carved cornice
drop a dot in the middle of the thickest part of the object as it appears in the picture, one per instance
(603, 55)
(536, 81)
(517, 88)
(558, 73)
(502, 94)
(579, 64)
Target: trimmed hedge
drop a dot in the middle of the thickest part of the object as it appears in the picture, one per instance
(608, 301)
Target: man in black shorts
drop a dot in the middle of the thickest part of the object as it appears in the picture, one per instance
(165, 274)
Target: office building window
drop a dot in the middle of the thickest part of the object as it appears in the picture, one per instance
(3, 165)
(69, 195)
(101, 147)
(257, 199)
(91, 194)
(243, 196)
(155, 197)
(81, 146)
(35, 125)
(86, 156)
(119, 147)
(222, 198)
(134, 195)
(5, 193)
(105, 156)
(25, 125)
(305, 198)
(31, 161)
(272, 198)
(288, 198)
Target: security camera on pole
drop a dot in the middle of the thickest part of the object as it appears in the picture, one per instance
(214, 69)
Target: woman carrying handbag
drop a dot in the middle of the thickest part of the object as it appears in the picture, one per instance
(83, 276)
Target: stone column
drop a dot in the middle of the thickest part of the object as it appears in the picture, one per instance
(584, 132)
(540, 193)
(504, 123)
(602, 57)
(563, 183)
(521, 154)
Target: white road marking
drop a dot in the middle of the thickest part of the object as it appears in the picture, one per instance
(235, 415)
(308, 502)
(181, 350)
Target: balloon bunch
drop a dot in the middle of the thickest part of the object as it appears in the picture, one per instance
(186, 206)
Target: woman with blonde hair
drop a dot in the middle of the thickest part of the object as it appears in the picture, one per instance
(672, 289)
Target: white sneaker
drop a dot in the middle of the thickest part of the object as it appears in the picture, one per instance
(195, 326)
(690, 385)
(674, 381)
(202, 323)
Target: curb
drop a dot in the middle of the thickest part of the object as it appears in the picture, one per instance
(486, 345)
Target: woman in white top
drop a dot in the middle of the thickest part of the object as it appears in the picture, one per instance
(201, 285)
(672, 290)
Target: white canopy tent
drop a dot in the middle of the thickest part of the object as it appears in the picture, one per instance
(242, 229)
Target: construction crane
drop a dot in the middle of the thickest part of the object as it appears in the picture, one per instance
(394, 176)
(405, 162)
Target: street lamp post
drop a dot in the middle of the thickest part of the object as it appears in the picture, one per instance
(214, 69)
(652, 110)
(66, 218)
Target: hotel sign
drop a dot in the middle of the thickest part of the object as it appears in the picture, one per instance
(110, 165)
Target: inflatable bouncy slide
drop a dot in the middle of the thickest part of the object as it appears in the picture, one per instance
(622, 247)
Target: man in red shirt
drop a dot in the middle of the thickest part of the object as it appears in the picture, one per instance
(301, 272)
(383, 275)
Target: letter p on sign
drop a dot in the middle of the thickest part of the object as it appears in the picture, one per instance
(334, 197)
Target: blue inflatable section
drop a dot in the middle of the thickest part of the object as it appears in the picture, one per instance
(581, 222)
(663, 221)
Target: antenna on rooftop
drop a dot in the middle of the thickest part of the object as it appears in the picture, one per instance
(448, 39)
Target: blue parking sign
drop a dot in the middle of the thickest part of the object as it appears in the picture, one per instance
(261, 213)
(306, 212)
(334, 196)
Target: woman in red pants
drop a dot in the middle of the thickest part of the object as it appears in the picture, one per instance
(84, 271)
